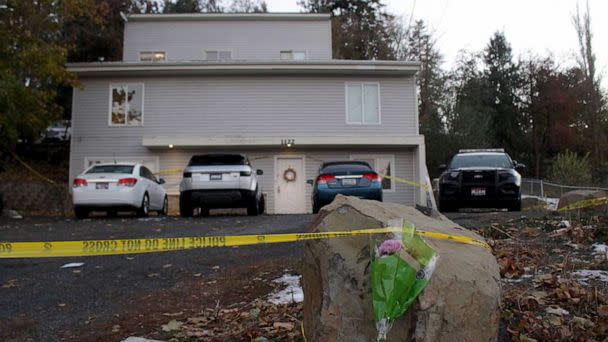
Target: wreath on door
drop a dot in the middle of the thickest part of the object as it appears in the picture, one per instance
(290, 175)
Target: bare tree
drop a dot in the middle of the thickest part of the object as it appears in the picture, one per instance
(586, 59)
(248, 6)
(593, 105)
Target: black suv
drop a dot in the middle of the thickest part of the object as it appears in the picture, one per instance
(480, 179)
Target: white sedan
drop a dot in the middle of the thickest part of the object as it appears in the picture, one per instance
(118, 187)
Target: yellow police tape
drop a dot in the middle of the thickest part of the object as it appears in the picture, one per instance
(409, 182)
(50, 249)
(593, 202)
(582, 204)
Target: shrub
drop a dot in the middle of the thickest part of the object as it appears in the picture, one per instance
(570, 169)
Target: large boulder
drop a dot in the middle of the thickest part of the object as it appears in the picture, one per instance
(461, 302)
(578, 196)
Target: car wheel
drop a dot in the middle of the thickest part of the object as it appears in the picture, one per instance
(514, 206)
(253, 209)
(204, 212)
(165, 210)
(262, 204)
(144, 210)
(81, 213)
(185, 207)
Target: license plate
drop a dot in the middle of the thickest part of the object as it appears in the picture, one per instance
(349, 181)
(478, 192)
(215, 176)
(101, 186)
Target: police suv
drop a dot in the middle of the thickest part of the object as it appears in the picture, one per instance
(486, 178)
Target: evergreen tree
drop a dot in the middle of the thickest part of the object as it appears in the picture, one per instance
(503, 82)
(467, 118)
(431, 81)
(182, 6)
(361, 29)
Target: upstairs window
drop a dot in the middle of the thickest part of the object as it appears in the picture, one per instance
(152, 56)
(126, 104)
(218, 55)
(289, 55)
(362, 103)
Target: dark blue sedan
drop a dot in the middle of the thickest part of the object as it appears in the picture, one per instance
(349, 178)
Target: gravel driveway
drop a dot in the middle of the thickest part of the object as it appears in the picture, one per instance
(42, 301)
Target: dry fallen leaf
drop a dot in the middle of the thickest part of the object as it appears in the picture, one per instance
(9, 284)
(283, 325)
(172, 326)
(582, 322)
(602, 310)
(555, 320)
(557, 311)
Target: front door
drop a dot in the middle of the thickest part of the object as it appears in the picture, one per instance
(290, 189)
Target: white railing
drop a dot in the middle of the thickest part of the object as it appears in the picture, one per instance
(543, 188)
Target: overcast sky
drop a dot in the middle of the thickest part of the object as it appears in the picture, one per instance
(531, 26)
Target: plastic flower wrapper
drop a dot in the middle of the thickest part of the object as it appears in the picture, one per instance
(396, 283)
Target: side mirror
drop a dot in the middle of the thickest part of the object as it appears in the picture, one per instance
(259, 172)
(515, 163)
(310, 181)
(161, 181)
(442, 168)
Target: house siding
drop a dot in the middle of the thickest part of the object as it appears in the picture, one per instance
(248, 40)
(242, 106)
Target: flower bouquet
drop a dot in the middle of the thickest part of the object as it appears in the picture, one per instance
(396, 283)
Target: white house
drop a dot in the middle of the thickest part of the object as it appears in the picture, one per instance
(264, 85)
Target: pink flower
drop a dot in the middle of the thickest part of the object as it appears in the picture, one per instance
(390, 247)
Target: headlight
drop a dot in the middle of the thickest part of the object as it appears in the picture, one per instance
(510, 175)
(450, 176)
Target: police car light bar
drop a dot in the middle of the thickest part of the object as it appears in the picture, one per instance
(468, 150)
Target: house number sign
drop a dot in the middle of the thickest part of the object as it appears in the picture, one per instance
(287, 142)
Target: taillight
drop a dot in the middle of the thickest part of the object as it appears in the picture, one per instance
(324, 179)
(371, 177)
(130, 182)
(245, 173)
(78, 182)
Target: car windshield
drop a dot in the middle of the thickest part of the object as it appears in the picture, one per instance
(499, 160)
(218, 159)
(346, 169)
(111, 169)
